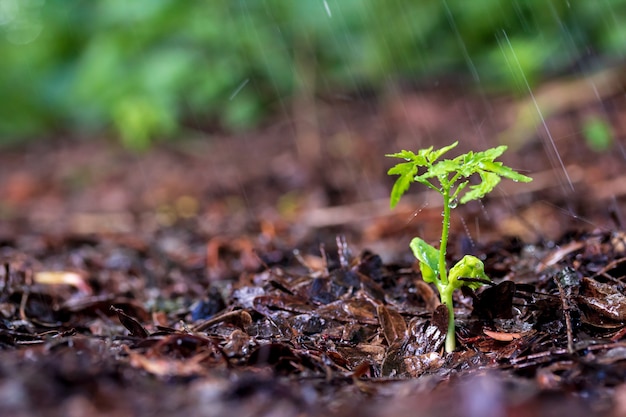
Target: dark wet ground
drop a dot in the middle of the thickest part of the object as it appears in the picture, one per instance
(264, 274)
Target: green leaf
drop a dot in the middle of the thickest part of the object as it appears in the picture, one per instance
(415, 159)
(472, 162)
(429, 259)
(402, 168)
(408, 155)
(441, 169)
(491, 154)
(423, 154)
(504, 171)
(407, 171)
(489, 181)
(399, 188)
(428, 274)
(449, 171)
(468, 267)
(433, 156)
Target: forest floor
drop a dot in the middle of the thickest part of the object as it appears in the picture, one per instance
(264, 274)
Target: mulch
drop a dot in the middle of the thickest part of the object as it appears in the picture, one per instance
(252, 275)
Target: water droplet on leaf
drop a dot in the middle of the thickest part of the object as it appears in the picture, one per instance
(453, 203)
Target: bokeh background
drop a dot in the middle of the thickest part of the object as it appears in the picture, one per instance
(152, 70)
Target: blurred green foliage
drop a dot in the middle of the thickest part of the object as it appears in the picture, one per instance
(144, 68)
(597, 134)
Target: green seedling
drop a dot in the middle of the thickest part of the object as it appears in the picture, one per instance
(452, 178)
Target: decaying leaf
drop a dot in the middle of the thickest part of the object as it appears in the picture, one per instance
(428, 295)
(427, 336)
(166, 367)
(134, 327)
(359, 310)
(502, 336)
(602, 298)
(558, 254)
(238, 344)
(63, 278)
(392, 323)
(237, 318)
(393, 364)
(495, 301)
(417, 365)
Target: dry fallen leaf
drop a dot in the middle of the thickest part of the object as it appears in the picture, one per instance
(501, 336)
(63, 278)
(132, 324)
(392, 323)
(604, 299)
(166, 367)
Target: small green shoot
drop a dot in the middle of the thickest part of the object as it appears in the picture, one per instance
(452, 182)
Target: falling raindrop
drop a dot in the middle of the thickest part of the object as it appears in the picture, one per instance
(416, 212)
(483, 209)
(462, 44)
(539, 112)
(328, 12)
(238, 89)
(467, 233)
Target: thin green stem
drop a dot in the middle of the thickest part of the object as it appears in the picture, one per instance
(454, 179)
(445, 289)
(443, 274)
(430, 185)
(446, 298)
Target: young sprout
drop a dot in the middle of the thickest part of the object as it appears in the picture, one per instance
(449, 177)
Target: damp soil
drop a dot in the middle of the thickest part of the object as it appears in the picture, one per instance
(264, 274)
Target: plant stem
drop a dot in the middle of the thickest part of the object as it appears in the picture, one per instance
(446, 298)
(446, 290)
(443, 274)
